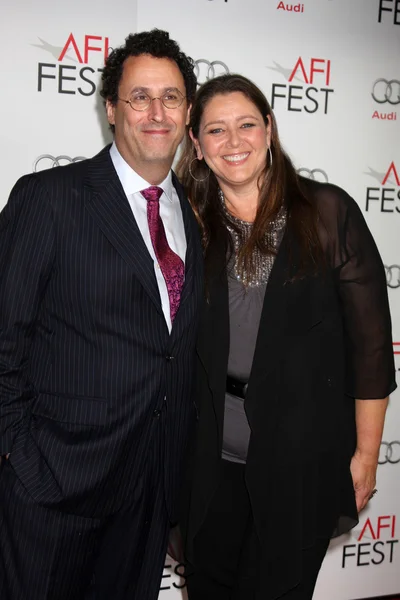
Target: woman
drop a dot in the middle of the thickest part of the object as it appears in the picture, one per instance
(295, 359)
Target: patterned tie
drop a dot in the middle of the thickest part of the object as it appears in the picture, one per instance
(171, 264)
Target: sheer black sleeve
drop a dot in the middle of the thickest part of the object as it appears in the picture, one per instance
(361, 284)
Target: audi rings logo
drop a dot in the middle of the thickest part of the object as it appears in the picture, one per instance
(389, 453)
(314, 174)
(47, 161)
(385, 90)
(206, 70)
(393, 276)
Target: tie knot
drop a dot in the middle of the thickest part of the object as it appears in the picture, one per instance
(152, 193)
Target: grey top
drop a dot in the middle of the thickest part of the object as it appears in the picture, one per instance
(245, 306)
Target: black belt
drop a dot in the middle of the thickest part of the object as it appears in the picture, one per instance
(236, 387)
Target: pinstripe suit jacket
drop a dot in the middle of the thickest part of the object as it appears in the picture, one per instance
(86, 359)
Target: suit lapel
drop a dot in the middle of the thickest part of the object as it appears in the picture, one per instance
(109, 207)
(213, 343)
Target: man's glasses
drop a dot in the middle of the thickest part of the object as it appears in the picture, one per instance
(142, 101)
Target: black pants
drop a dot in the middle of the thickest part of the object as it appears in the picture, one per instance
(49, 555)
(226, 549)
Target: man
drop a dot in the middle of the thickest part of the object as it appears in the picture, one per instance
(101, 282)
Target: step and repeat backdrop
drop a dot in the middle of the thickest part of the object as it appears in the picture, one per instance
(331, 71)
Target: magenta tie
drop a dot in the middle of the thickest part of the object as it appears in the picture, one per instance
(171, 264)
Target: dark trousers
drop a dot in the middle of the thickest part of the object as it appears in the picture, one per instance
(226, 550)
(49, 555)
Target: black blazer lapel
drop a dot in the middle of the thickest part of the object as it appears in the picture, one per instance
(291, 307)
(213, 340)
(273, 314)
(108, 205)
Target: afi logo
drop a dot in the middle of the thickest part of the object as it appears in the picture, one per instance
(391, 171)
(308, 76)
(389, 6)
(382, 547)
(315, 76)
(71, 45)
(382, 523)
(386, 195)
(71, 79)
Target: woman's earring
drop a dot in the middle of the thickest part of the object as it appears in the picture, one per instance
(270, 156)
(195, 178)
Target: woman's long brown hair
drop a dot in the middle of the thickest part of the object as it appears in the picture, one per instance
(279, 185)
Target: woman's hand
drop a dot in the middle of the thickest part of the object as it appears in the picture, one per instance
(363, 471)
(370, 417)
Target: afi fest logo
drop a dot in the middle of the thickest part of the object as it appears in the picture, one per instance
(297, 8)
(386, 92)
(69, 72)
(376, 543)
(386, 197)
(314, 92)
(389, 7)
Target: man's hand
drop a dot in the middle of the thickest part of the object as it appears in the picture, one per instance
(363, 472)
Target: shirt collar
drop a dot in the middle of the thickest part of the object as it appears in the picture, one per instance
(131, 181)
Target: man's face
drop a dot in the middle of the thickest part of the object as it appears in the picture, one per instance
(149, 139)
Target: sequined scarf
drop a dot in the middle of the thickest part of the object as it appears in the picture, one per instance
(262, 263)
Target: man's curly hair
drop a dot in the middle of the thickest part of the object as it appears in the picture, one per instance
(156, 43)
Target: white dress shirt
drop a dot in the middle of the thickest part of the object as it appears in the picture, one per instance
(170, 212)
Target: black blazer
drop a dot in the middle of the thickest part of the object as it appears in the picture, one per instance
(86, 359)
(323, 340)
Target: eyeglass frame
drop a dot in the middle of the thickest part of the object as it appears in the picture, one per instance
(151, 100)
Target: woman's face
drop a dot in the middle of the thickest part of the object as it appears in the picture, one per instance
(233, 140)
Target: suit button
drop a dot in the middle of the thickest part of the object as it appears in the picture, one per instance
(156, 413)
(169, 358)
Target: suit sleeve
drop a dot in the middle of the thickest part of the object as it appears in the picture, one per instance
(26, 257)
(370, 371)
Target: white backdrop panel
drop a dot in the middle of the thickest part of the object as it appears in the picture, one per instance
(66, 116)
(318, 65)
